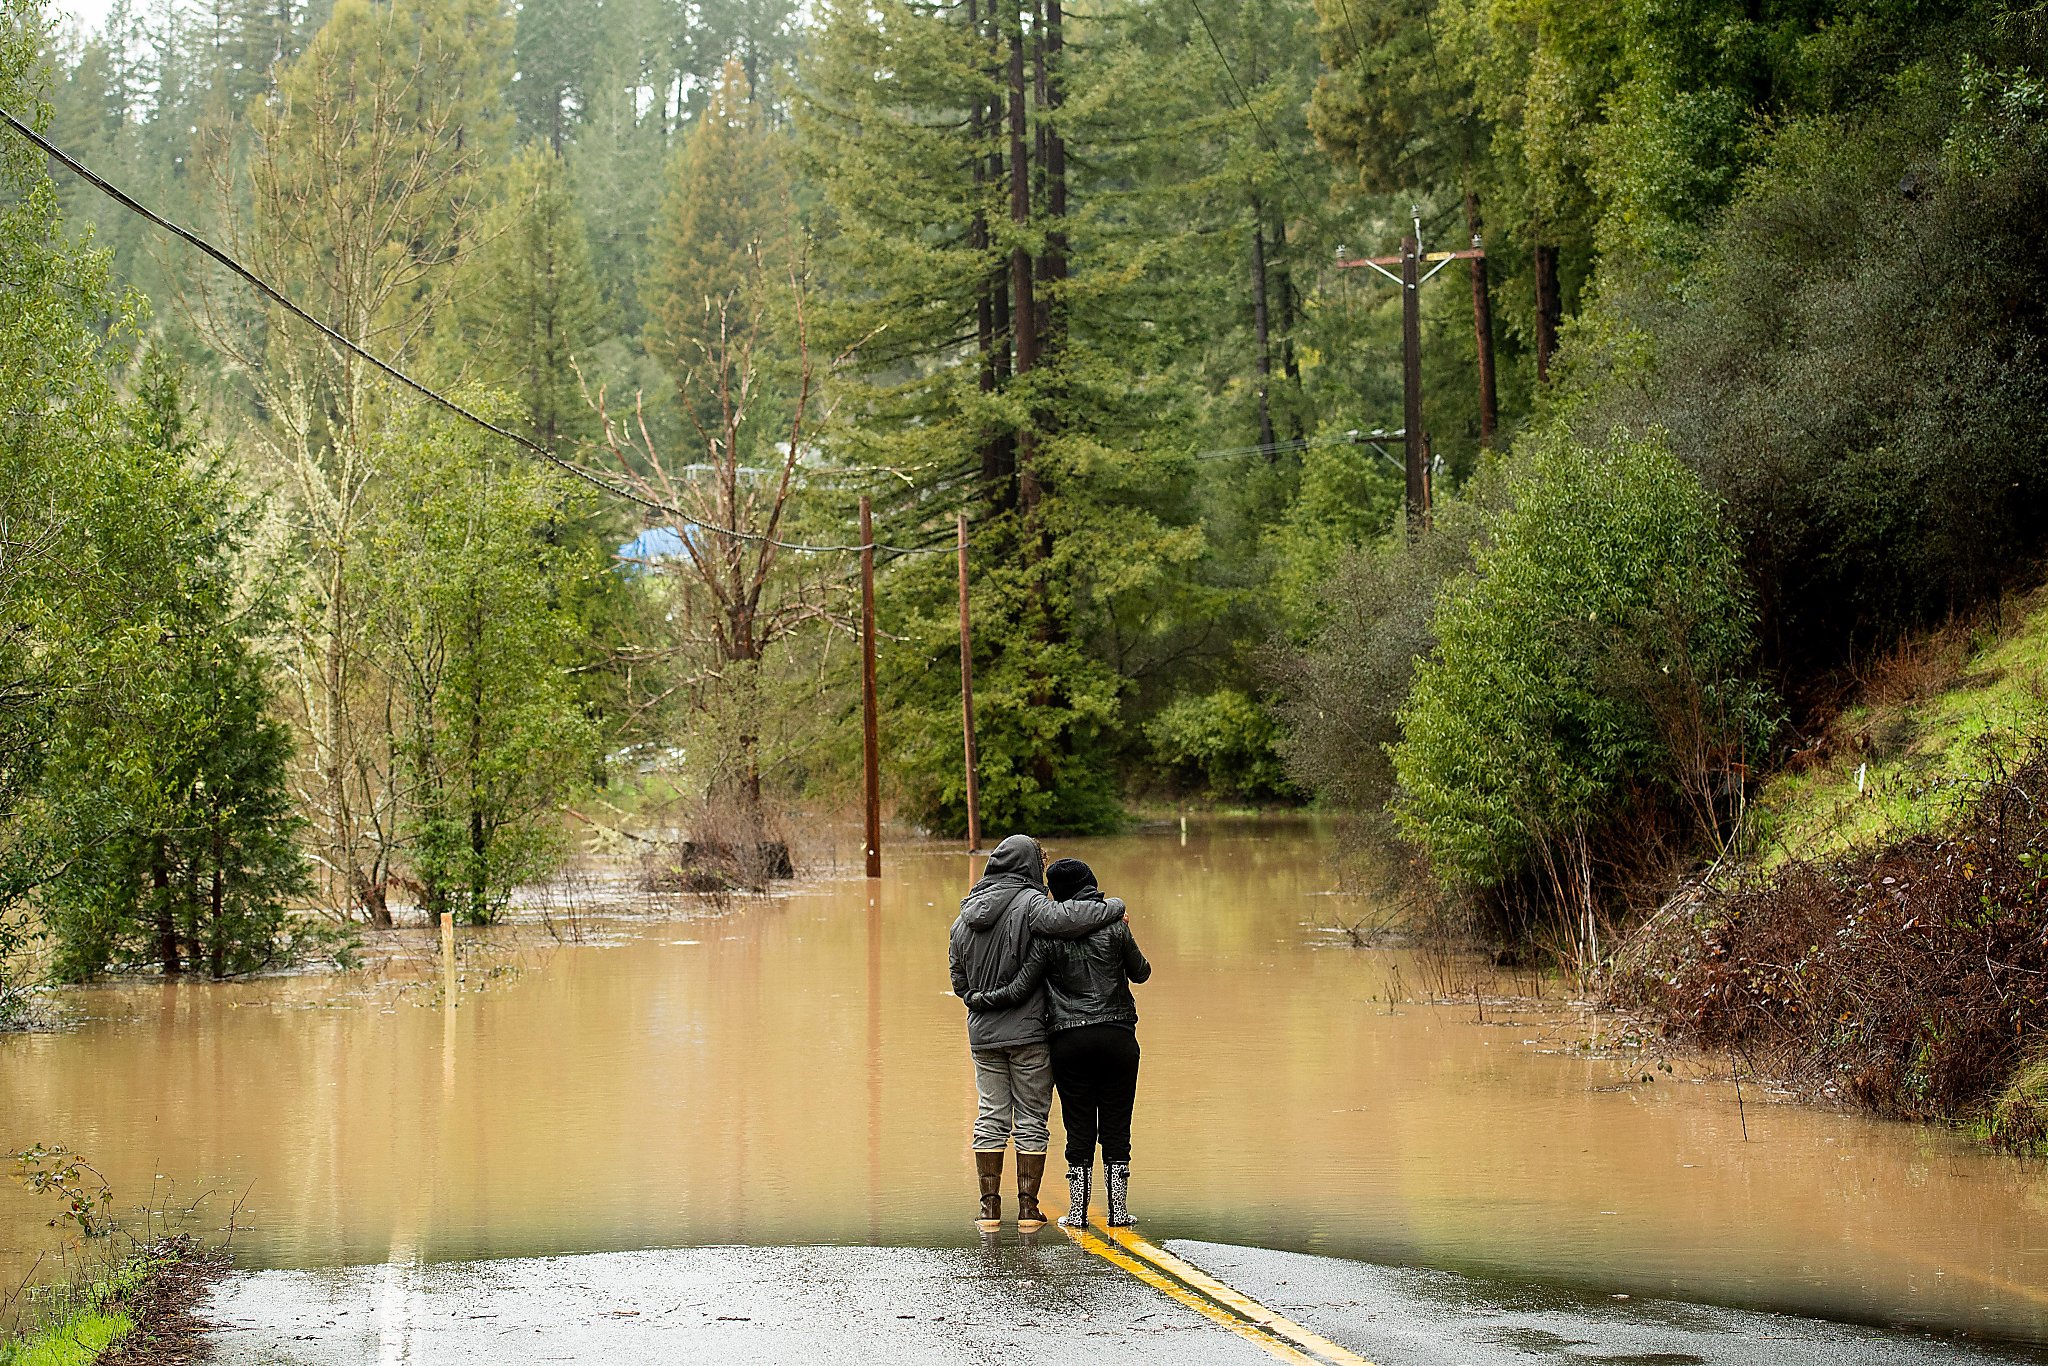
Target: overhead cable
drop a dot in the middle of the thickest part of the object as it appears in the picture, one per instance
(1308, 200)
(264, 287)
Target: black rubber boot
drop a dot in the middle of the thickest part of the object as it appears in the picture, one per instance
(988, 1167)
(1116, 1176)
(1077, 1196)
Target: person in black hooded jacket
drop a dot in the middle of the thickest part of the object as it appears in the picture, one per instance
(1087, 983)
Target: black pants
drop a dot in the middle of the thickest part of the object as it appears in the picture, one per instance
(1096, 1070)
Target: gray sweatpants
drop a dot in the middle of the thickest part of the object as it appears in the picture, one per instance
(1013, 1091)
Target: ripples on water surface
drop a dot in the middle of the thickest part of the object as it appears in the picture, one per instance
(796, 1072)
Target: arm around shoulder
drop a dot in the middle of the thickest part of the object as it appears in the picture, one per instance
(1071, 919)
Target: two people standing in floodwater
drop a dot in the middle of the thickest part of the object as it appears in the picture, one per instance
(1044, 963)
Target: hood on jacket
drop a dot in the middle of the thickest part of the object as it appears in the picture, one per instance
(1067, 878)
(1015, 866)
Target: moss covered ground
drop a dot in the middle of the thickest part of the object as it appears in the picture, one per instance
(76, 1341)
(1933, 720)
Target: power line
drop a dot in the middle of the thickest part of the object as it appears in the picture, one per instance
(1292, 445)
(1308, 200)
(264, 287)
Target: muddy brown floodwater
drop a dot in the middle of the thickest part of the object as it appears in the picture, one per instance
(795, 1072)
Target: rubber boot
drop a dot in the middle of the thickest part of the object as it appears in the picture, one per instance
(988, 1167)
(1077, 1196)
(1116, 1177)
(1030, 1173)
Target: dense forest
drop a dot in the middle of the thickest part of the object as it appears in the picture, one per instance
(1760, 389)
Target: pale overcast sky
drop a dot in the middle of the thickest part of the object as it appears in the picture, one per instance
(90, 12)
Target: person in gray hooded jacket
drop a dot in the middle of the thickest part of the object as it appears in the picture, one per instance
(1012, 1061)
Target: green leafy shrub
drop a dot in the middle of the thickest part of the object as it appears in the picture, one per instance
(1340, 695)
(1597, 651)
(1224, 741)
(473, 616)
(1868, 411)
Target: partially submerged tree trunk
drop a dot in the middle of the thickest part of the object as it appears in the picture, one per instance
(1549, 310)
(166, 912)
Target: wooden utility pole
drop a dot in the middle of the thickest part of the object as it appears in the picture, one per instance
(1411, 381)
(1411, 280)
(870, 739)
(1549, 310)
(1261, 329)
(967, 701)
(1482, 328)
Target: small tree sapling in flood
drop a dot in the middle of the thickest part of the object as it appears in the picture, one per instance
(473, 625)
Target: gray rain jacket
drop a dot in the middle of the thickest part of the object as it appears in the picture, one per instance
(992, 937)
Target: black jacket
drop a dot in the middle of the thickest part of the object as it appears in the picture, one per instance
(1088, 980)
(993, 936)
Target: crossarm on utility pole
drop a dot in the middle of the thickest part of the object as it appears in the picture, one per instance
(1379, 263)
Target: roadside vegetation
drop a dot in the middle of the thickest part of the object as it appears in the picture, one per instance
(122, 1294)
(1910, 977)
(128, 1314)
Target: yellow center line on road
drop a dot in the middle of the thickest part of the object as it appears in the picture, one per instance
(1197, 1279)
(1089, 1241)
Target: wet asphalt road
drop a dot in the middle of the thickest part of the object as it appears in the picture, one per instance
(1402, 1316)
(1011, 1304)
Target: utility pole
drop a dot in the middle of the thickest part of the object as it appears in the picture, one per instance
(1482, 329)
(871, 749)
(1412, 278)
(967, 701)
(1413, 443)
(1549, 311)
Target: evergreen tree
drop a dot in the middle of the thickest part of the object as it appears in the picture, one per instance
(1001, 339)
(763, 36)
(533, 313)
(470, 618)
(552, 50)
(724, 221)
(621, 142)
(57, 413)
(166, 785)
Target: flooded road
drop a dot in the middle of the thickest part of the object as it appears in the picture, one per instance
(795, 1073)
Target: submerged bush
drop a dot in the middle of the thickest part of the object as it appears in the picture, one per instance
(1597, 654)
(1340, 695)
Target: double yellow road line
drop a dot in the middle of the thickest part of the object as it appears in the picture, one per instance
(1212, 1299)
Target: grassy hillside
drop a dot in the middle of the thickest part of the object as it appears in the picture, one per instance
(1930, 722)
(1887, 946)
